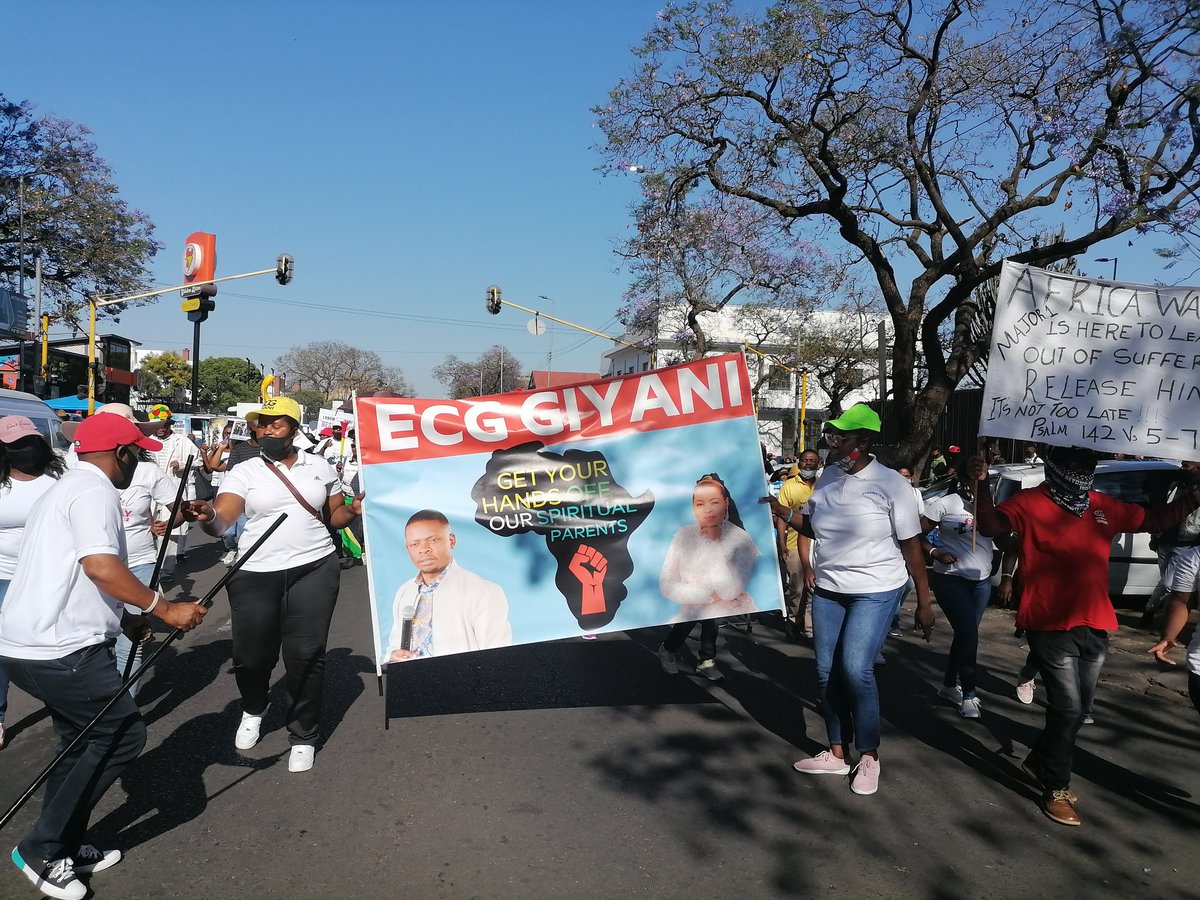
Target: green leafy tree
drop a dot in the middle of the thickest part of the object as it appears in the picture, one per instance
(226, 381)
(90, 240)
(496, 371)
(931, 140)
(164, 376)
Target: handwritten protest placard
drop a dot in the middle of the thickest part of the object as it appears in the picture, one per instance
(1088, 363)
(617, 504)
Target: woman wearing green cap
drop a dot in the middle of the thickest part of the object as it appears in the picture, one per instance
(861, 540)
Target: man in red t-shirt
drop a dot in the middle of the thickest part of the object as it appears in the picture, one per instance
(1064, 533)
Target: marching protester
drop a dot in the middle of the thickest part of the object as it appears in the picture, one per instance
(60, 617)
(1185, 578)
(1064, 532)
(171, 458)
(28, 468)
(860, 543)
(706, 570)
(283, 598)
(794, 494)
(242, 445)
(961, 582)
(150, 490)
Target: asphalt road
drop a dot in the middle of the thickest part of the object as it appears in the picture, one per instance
(578, 769)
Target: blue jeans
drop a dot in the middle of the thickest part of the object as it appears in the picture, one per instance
(848, 631)
(124, 645)
(3, 678)
(75, 689)
(963, 601)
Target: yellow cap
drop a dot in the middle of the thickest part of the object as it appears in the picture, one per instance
(276, 406)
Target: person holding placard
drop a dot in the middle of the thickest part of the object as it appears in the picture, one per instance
(1064, 533)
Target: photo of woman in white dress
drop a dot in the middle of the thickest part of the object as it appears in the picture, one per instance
(707, 568)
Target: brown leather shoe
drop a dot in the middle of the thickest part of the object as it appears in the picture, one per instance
(1033, 768)
(1058, 806)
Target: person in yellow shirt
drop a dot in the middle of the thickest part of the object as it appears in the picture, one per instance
(794, 494)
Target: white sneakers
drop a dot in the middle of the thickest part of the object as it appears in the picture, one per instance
(248, 731)
(301, 758)
(970, 708)
(951, 693)
(229, 558)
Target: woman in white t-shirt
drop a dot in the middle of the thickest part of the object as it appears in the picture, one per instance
(283, 596)
(961, 581)
(145, 508)
(707, 567)
(861, 542)
(28, 468)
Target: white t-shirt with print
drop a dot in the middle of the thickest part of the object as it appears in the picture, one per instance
(301, 538)
(150, 486)
(858, 522)
(956, 524)
(16, 503)
(52, 609)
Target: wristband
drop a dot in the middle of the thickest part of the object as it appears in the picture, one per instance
(788, 520)
(1006, 574)
(158, 595)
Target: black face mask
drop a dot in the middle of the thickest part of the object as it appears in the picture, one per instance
(30, 459)
(276, 448)
(127, 461)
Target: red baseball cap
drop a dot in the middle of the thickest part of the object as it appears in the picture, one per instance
(107, 431)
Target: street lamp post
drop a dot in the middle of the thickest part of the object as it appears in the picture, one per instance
(1111, 259)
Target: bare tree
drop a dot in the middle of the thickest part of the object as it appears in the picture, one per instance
(932, 139)
(496, 371)
(337, 370)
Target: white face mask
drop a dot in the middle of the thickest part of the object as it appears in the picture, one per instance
(808, 474)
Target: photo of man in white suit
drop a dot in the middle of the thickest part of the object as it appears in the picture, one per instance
(445, 609)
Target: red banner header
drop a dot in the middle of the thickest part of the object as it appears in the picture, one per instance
(708, 390)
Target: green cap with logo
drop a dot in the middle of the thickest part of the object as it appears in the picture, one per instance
(859, 417)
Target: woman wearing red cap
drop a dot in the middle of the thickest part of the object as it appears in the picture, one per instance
(28, 467)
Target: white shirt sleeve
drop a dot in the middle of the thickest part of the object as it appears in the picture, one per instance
(93, 534)
(906, 521)
(934, 510)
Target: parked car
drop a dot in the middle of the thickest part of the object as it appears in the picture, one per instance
(19, 403)
(1133, 566)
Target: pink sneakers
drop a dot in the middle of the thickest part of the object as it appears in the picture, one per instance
(824, 763)
(1025, 691)
(865, 779)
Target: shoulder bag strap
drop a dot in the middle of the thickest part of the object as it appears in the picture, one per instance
(295, 493)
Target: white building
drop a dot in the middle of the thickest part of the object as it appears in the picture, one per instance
(772, 332)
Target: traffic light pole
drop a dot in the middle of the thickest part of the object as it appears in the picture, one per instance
(284, 267)
(195, 367)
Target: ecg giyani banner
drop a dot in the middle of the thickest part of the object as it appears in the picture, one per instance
(533, 516)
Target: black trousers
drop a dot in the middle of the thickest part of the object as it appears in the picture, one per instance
(708, 637)
(1069, 663)
(288, 610)
(74, 689)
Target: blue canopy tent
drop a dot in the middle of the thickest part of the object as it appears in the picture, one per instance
(70, 404)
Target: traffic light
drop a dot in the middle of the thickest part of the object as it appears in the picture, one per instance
(285, 268)
(493, 299)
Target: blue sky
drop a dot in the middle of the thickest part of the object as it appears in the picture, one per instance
(407, 154)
